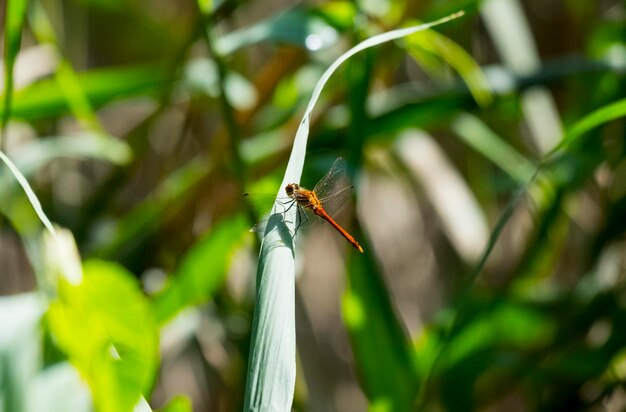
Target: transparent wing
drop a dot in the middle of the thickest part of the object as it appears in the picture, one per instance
(332, 179)
(334, 189)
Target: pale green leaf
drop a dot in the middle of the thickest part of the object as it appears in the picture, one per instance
(272, 367)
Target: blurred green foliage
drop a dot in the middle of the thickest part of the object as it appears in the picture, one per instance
(489, 161)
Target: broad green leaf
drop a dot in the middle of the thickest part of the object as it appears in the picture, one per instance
(382, 350)
(272, 369)
(45, 99)
(107, 329)
(13, 24)
(202, 270)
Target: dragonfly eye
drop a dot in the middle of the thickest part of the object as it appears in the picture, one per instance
(290, 188)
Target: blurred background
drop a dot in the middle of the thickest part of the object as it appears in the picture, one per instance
(489, 166)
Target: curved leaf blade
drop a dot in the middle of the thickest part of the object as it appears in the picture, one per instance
(272, 369)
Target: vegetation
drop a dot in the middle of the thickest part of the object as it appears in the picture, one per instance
(488, 157)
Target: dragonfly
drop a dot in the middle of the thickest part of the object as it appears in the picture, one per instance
(327, 196)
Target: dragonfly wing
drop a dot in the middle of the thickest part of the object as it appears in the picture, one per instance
(333, 203)
(334, 189)
(334, 179)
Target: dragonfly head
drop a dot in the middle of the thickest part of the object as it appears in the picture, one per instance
(291, 188)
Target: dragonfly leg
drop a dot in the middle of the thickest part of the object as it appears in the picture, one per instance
(302, 219)
(291, 203)
(285, 205)
(286, 208)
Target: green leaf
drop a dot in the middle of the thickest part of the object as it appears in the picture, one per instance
(272, 363)
(106, 328)
(272, 368)
(202, 270)
(14, 22)
(45, 99)
(382, 350)
(596, 118)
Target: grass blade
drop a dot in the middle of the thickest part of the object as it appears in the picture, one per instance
(32, 197)
(272, 368)
(594, 119)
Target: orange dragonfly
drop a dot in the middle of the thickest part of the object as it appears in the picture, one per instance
(327, 196)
